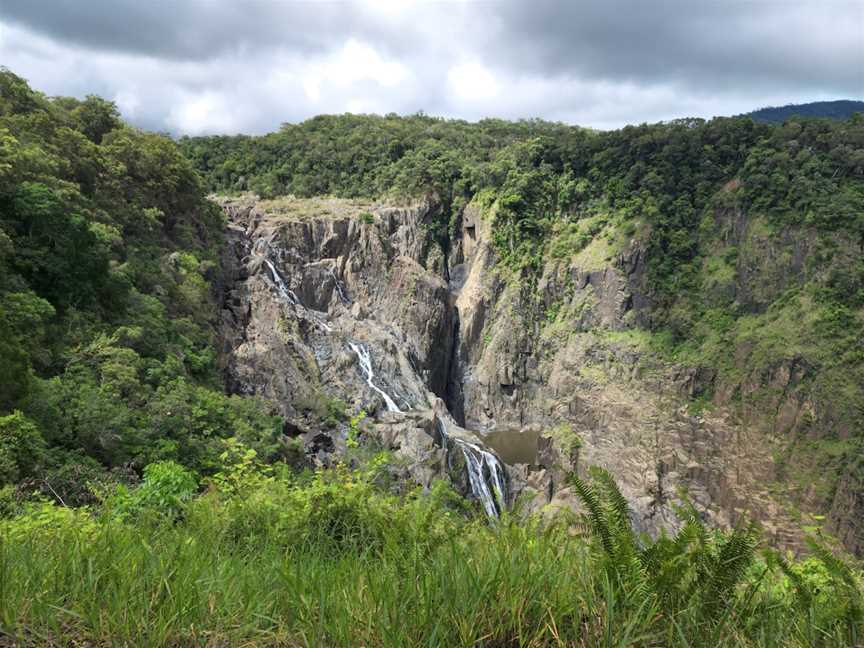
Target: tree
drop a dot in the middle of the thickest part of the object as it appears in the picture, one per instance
(22, 448)
(97, 117)
(56, 250)
(23, 316)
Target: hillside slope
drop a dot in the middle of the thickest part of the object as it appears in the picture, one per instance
(109, 258)
(679, 302)
(371, 419)
(839, 109)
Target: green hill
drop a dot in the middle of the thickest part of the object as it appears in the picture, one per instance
(839, 109)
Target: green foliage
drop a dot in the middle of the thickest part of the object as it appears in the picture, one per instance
(166, 489)
(23, 317)
(57, 252)
(331, 560)
(356, 155)
(74, 479)
(703, 579)
(354, 430)
(329, 410)
(97, 117)
(108, 251)
(566, 437)
(838, 109)
(22, 448)
(723, 212)
(242, 470)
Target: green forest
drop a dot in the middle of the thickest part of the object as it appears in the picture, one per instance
(838, 109)
(109, 255)
(141, 504)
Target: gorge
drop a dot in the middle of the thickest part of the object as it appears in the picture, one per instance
(431, 339)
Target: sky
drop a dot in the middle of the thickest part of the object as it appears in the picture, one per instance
(233, 66)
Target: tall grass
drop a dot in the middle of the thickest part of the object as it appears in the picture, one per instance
(335, 562)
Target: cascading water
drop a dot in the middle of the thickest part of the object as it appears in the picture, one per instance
(283, 288)
(366, 366)
(486, 475)
(291, 297)
(340, 291)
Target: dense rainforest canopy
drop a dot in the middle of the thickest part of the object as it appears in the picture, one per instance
(108, 251)
(838, 109)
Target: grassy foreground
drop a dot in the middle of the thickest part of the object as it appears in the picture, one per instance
(333, 559)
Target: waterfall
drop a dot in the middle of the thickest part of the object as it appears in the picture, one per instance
(284, 290)
(366, 366)
(339, 289)
(491, 490)
(291, 297)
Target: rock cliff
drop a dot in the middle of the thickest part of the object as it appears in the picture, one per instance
(332, 307)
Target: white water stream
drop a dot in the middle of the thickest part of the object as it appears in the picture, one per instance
(491, 490)
(291, 297)
(283, 288)
(339, 289)
(486, 476)
(366, 366)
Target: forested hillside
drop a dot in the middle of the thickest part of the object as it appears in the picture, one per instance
(840, 109)
(108, 261)
(752, 235)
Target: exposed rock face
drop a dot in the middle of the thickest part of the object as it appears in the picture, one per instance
(575, 357)
(323, 310)
(453, 339)
(352, 281)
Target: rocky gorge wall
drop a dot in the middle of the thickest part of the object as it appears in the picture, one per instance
(455, 339)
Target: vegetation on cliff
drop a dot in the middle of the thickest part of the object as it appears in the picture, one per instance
(140, 504)
(838, 109)
(751, 236)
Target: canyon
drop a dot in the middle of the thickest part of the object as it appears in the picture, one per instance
(447, 351)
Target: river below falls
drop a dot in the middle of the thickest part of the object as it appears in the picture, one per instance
(514, 446)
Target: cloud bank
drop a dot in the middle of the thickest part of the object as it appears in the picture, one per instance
(227, 67)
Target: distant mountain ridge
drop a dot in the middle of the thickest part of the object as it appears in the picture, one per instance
(839, 109)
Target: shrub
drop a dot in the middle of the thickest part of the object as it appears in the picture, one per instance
(242, 470)
(22, 447)
(166, 489)
(328, 559)
(79, 480)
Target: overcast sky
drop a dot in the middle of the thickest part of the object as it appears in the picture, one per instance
(231, 66)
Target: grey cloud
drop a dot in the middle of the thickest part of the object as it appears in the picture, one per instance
(190, 29)
(818, 44)
(205, 66)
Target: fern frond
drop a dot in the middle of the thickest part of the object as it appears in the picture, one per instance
(842, 575)
(836, 567)
(736, 555)
(591, 501)
(616, 505)
(802, 593)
